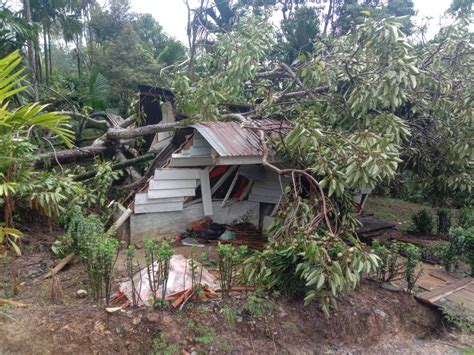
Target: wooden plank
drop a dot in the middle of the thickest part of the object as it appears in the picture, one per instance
(176, 174)
(257, 190)
(223, 178)
(141, 198)
(206, 193)
(234, 180)
(119, 222)
(181, 161)
(159, 207)
(171, 193)
(12, 303)
(436, 295)
(66, 260)
(443, 275)
(172, 184)
(462, 297)
(246, 190)
(265, 199)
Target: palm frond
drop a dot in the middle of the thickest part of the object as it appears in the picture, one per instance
(99, 90)
(27, 116)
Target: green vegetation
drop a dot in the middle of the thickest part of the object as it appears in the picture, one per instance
(97, 250)
(230, 258)
(365, 106)
(157, 261)
(413, 261)
(423, 221)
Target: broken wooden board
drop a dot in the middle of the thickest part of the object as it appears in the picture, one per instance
(460, 293)
(206, 193)
(371, 225)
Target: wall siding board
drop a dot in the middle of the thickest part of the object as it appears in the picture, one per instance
(141, 198)
(172, 184)
(171, 193)
(159, 207)
(176, 174)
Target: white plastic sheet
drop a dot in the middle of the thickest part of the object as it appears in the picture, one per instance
(179, 279)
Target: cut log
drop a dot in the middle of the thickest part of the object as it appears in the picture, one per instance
(61, 265)
(120, 133)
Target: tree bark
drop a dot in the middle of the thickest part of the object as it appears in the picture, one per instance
(31, 51)
(116, 134)
(45, 50)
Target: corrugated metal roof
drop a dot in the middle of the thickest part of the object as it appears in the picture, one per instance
(230, 139)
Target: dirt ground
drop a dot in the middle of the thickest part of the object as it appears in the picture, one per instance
(369, 320)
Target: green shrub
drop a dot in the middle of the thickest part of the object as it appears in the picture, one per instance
(423, 221)
(257, 306)
(85, 236)
(444, 220)
(456, 248)
(388, 265)
(159, 254)
(320, 267)
(470, 248)
(99, 253)
(382, 252)
(413, 258)
(230, 258)
(466, 217)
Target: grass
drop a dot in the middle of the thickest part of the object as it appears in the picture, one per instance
(396, 211)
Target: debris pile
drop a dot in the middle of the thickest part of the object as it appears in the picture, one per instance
(181, 285)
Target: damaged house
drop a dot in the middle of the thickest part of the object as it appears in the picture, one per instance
(218, 173)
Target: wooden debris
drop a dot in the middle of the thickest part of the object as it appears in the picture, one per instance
(61, 265)
(13, 303)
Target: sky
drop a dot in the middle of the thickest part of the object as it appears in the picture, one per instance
(172, 14)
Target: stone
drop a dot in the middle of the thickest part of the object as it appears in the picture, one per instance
(153, 317)
(390, 286)
(380, 313)
(81, 293)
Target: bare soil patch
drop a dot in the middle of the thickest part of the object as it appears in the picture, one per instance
(369, 320)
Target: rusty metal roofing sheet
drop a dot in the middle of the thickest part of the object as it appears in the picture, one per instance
(230, 139)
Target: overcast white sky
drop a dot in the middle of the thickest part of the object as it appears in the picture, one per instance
(172, 14)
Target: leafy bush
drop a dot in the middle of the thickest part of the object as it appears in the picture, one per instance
(423, 221)
(434, 252)
(413, 258)
(317, 266)
(470, 249)
(157, 260)
(466, 217)
(97, 251)
(444, 220)
(456, 248)
(229, 259)
(388, 267)
(257, 306)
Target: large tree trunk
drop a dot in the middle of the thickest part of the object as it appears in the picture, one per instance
(49, 53)
(31, 51)
(45, 50)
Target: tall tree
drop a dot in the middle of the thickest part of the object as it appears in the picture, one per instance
(300, 31)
